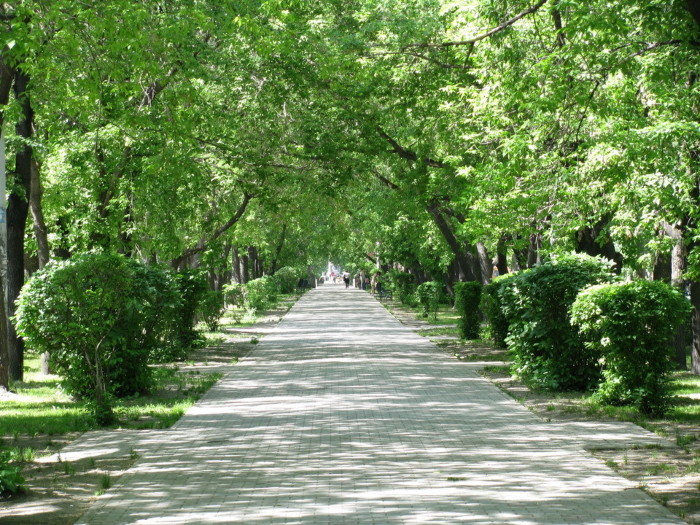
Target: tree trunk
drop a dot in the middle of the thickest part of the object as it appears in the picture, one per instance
(236, 267)
(17, 213)
(694, 7)
(278, 250)
(502, 255)
(4, 351)
(695, 348)
(484, 263)
(677, 265)
(465, 268)
(40, 230)
(533, 251)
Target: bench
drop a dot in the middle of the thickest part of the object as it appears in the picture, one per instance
(384, 293)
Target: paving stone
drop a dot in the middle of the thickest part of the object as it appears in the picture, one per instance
(342, 415)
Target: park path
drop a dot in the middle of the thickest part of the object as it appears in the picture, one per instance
(344, 416)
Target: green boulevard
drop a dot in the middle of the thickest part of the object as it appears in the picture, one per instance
(168, 160)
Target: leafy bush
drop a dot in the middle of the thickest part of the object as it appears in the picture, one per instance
(467, 299)
(234, 294)
(151, 320)
(11, 480)
(404, 286)
(491, 308)
(547, 351)
(211, 308)
(261, 293)
(287, 279)
(192, 286)
(75, 310)
(429, 295)
(629, 325)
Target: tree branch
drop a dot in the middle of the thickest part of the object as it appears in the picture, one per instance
(202, 246)
(486, 35)
(408, 154)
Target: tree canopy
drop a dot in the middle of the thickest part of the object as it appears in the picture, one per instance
(444, 137)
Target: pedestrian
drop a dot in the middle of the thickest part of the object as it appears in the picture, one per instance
(346, 279)
(362, 280)
(375, 282)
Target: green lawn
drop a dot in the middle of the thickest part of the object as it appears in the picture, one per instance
(42, 408)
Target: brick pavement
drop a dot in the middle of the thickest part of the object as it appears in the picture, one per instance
(343, 416)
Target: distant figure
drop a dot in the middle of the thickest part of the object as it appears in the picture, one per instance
(495, 273)
(375, 282)
(346, 279)
(362, 280)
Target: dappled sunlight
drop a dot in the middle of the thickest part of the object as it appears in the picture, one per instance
(343, 416)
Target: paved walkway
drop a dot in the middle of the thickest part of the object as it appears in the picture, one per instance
(344, 416)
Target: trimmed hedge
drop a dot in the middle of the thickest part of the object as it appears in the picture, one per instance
(467, 299)
(491, 307)
(548, 352)
(629, 326)
(429, 295)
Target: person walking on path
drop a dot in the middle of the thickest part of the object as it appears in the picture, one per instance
(346, 279)
(375, 282)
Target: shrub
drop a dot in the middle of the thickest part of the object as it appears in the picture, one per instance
(404, 286)
(192, 286)
(11, 480)
(74, 310)
(491, 308)
(429, 295)
(211, 308)
(234, 294)
(467, 299)
(547, 351)
(629, 325)
(287, 279)
(261, 293)
(151, 319)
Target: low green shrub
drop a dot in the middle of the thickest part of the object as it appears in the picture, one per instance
(261, 293)
(234, 295)
(467, 299)
(192, 286)
(547, 351)
(75, 310)
(429, 295)
(11, 479)
(287, 279)
(151, 319)
(629, 326)
(404, 286)
(490, 306)
(211, 308)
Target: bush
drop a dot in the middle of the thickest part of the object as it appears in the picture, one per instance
(429, 295)
(192, 286)
(629, 325)
(491, 308)
(151, 320)
(75, 310)
(403, 285)
(467, 299)
(547, 351)
(234, 295)
(11, 480)
(261, 293)
(211, 308)
(287, 279)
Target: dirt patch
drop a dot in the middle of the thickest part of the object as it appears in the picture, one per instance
(59, 491)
